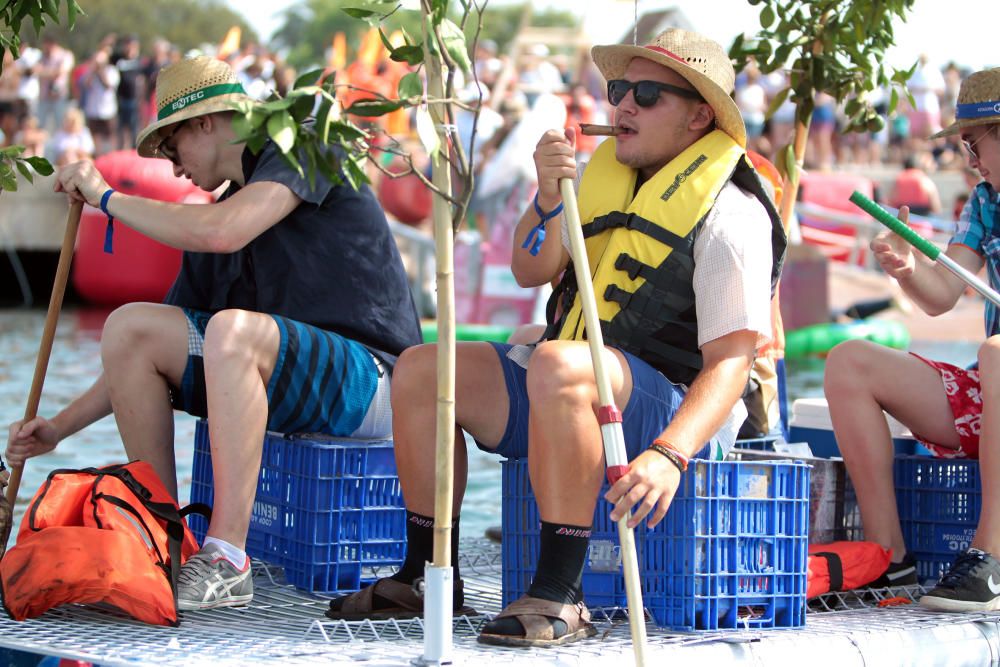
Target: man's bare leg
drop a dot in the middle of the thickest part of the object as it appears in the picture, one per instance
(863, 379)
(144, 351)
(241, 349)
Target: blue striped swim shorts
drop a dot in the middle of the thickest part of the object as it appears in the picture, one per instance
(321, 383)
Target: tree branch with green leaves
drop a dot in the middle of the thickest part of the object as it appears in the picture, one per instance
(837, 47)
(302, 144)
(13, 14)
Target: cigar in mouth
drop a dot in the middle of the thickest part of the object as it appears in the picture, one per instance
(600, 130)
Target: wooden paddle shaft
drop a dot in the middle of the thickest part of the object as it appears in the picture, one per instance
(48, 333)
(614, 441)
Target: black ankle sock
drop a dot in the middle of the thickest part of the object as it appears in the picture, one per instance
(558, 576)
(420, 550)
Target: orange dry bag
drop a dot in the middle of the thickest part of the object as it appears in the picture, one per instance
(108, 535)
(841, 566)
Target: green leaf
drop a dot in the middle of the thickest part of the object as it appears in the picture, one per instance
(791, 167)
(374, 107)
(323, 120)
(290, 160)
(427, 132)
(302, 106)
(276, 105)
(40, 165)
(242, 127)
(23, 168)
(893, 100)
(51, 7)
(256, 143)
(766, 17)
(411, 86)
(281, 129)
(411, 55)
(8, 181)
(454, 43)
(778, 100)
(309, 78)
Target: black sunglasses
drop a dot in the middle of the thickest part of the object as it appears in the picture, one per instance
(646, 92)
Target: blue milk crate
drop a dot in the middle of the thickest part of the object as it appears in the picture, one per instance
(328, 510)
(939, 502)
(730, 553)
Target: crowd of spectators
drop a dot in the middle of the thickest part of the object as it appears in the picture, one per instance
(65, 107)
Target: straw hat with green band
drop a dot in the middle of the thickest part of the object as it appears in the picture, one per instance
(189, 88)
(978, 102)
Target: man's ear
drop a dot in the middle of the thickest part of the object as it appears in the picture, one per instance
(703, 117)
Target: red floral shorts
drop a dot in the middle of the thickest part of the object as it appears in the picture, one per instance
(961, 386)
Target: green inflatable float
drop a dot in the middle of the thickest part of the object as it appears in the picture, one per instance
(816, 339)
(469, 332)
(821, 338)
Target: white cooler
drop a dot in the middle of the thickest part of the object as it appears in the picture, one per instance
(811, 423)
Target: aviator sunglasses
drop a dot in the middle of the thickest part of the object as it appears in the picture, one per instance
(646, 93)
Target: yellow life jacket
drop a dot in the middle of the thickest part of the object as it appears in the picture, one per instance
(640, 245)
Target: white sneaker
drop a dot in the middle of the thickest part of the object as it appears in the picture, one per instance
(210, 580)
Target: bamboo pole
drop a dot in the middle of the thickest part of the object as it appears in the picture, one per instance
(438, 603)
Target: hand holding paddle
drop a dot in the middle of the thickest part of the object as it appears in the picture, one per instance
(42, 362)
(923, 245)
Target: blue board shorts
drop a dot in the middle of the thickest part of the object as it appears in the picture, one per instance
(653, 403)
(321, 383)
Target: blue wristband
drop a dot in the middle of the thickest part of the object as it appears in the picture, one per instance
(533, 242)
(110, 230)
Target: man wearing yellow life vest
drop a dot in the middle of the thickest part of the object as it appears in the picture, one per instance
(685, 250)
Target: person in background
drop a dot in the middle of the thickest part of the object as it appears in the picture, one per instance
(288, 313)
(677, 370)
(951, 410)
(100, 99)
(54, 70)
(72, 142)
(131, 90)
(32, 137)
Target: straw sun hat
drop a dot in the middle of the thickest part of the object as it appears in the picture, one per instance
(701, 61)
(189, 88)
(978, 102)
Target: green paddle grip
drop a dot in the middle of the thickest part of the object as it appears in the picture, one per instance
(895, 224)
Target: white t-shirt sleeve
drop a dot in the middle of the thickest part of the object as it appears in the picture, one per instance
(732, 275)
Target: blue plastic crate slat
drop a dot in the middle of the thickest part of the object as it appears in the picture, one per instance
(730, 552)
(939, 501)
(327, 510)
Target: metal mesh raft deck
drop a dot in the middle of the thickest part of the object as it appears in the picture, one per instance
(284, 626)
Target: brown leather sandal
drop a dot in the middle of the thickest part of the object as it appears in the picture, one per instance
(534, 615)
(406, 603)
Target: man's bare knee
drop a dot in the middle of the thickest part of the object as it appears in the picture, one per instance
(127, 329)
(414, 375)
(237, 334)
(558, 371)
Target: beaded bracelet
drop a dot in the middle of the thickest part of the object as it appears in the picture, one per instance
(668, 450)
(670, 456)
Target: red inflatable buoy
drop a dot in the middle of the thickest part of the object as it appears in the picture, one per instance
(139, 269)
(405, 198)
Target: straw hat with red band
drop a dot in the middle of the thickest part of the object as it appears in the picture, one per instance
(701, 61)
(189, 88)
(978, 102)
